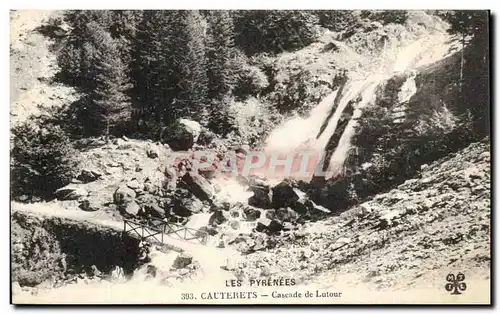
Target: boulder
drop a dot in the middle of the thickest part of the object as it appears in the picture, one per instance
(123, 195)
(268, 225)
(243, 149)
(150, 206)
(182, 260)
(89, 205)
(260, 199)
(170, 183)
(177, 219)
(134, 185)
(285, 214)
(181, 135)
(71, 192)
(130, 209)
(303, 205)
(262, 196)
(87, 175)
(284, 195)
(251, 214)
(218, 218)
(221, 205)
(260, 243)
(198, 185)
(152, 153)
(184, 204)
(234, 224)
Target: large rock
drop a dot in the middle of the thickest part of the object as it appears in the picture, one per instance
(218, 218)
(260, 243)
(150, 206)
(181, 135)
(129, 210)
(184, 204)
(71, 192)
(123, 195)
(251, 214)
(134, 185)
(284, 195)
(88, 175)
(170, 183)
(89, 205)
(198, 185)
(268, 225)
(182, 260)
(285, 214)
(303, 205)
(261, 197)
(152, 153)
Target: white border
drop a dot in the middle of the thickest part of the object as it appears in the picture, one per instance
(193, 4)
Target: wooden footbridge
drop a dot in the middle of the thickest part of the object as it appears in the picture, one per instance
(161, 230)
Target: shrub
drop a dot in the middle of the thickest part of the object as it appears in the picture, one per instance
(42, 160)
(250, 121)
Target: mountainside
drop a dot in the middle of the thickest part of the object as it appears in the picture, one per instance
(438, 220)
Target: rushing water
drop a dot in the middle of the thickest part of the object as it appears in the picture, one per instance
(316, 132)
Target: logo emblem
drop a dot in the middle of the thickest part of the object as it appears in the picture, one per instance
(455, 283)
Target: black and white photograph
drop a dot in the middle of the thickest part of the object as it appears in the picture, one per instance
(250, 157)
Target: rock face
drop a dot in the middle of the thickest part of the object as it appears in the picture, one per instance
(181, 135)
(284, 195)
(71, 192)
(198, 185)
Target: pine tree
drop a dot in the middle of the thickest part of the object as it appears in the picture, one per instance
(108, 105)
(123, 29)
(187, 73)
(150, 65)
(220, 47)
(275, 30)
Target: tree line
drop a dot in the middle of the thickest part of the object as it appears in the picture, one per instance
(144, 69)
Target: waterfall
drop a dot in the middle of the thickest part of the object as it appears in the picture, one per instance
(330, 126)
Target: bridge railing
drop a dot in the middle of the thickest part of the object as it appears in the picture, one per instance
(157, 229)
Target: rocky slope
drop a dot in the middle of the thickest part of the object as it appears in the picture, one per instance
(33, 66)
(438, 220)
